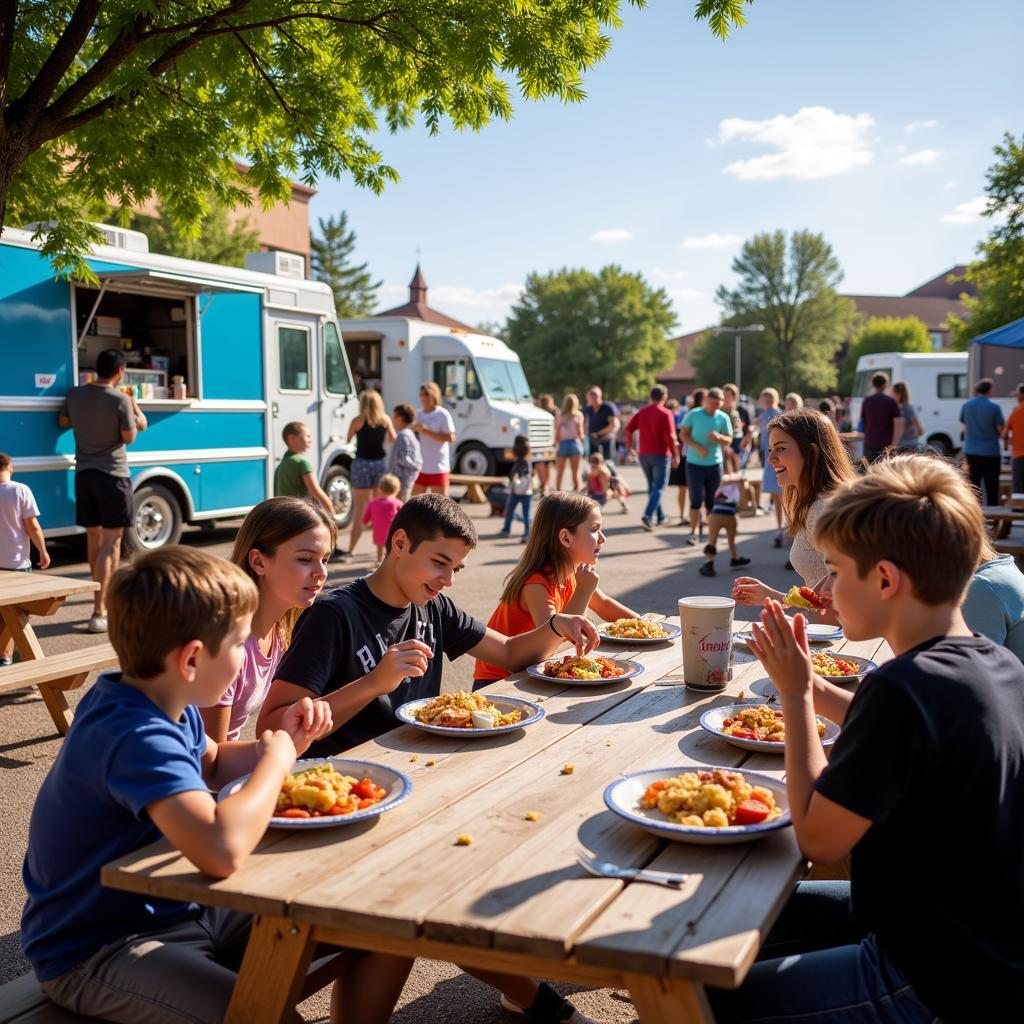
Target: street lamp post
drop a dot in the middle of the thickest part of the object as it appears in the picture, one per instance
(739, 332)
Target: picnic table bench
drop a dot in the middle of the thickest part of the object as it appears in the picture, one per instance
(515, 900)
(24, 594)
(475, 485)
(1002, 518)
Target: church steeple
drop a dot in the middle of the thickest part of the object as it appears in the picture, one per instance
(418, 287)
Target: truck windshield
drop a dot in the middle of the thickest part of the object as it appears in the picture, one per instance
(503, 379)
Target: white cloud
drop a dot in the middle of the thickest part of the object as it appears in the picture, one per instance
(611, 235)
(476, 298)
(663, 276)
(685, 294)
(714, 240)
(951, 185)
(921, 157)
(966, 213)
(916, 126)
(815, 142)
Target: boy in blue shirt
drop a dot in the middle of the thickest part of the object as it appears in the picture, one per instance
(135, 766)
(925, 784)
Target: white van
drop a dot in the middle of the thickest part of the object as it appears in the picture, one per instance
(481, 379)
(938, 389)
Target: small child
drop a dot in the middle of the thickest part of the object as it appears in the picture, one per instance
(136, 765)
(19, 526)
(599, 479)
(406, 459)
(520, 487)
(381, 511)
(295, 476)
(723, 517)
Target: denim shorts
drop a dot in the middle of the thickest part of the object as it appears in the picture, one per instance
(566, 449)
(366, 473)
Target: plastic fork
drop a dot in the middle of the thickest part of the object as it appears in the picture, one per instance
(605, 869)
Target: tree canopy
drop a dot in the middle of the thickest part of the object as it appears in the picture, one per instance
(220, 239)
(574, 328)
(355, 291)
(883, 334)
(789, 288)
(124, 101)
(999, 274)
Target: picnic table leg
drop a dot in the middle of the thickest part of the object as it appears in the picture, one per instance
(668, 1000)
(273, 971)
(55, 701)
(16, 623)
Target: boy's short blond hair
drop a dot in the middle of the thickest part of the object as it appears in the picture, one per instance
(915, 511)
(166, 598)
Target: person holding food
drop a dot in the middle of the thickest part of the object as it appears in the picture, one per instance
(376, 643)
(809, 461)
(923, 785)
(556, 573)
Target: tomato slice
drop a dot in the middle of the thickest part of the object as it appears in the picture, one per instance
(744, 734)
(750, 812)
(365, 789)
(294, 812)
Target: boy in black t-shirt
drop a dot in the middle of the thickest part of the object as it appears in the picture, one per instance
(368, 647)
(925, 784)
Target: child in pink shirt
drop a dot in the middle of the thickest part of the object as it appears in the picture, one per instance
(381, 511)
(283, 546)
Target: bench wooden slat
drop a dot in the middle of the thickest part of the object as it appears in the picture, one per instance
(55, 667)
(22, 1001)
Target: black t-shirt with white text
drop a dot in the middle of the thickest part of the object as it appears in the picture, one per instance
(932, 752)
(343, 636)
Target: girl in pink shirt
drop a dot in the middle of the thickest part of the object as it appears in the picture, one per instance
(283, 545)
(381, 511)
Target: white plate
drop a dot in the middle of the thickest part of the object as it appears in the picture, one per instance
(531, 713)
(711, 721)
(632, 668)
(817, 632)
(397, 784)
(864, 667)
(672, 630)
(622, 797)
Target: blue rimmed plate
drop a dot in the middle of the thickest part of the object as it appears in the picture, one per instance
(531, 713)
(397, 784)
(622, 797)
(671, 630)
(713, 721)
(630, 669)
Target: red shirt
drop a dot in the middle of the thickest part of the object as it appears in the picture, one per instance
(1015, 422)
(657, 428)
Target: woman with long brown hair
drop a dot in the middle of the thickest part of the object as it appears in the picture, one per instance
(810, 462)
(371, 428)
(283, 547)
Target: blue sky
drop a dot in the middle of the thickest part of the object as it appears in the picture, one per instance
(871, 122)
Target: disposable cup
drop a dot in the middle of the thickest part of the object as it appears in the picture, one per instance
(707, 641)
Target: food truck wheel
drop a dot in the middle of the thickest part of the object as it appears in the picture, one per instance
(157, 519)
(475, 460)
(339, 490)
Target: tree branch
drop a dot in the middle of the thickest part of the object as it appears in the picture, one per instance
(257, 64)
(8, 20)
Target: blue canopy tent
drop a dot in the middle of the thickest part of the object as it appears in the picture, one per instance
(999, 355)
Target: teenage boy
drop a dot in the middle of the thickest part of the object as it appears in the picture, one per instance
(295, 476)
(135, 766)
(104, 421)
(923, 785)
(982, 421)
(883, 419)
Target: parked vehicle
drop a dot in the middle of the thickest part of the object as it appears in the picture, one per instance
(938, 390)
(244, 350)
(481, 379)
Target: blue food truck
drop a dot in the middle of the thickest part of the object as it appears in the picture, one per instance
(220, 358)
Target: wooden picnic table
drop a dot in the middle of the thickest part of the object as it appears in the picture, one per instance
(1002, 517)
(515, 900)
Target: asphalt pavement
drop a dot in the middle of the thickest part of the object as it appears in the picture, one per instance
(646, 571)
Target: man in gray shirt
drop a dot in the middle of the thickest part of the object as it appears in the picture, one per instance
(104, 421)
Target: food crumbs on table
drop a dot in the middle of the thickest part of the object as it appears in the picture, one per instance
(431, 763)
(464, 840)
(415, 757)
(741, 694)
(607, 743)
(532, 815)
(568, 768)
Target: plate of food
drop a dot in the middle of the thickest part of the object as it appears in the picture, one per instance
(841, 668)
(758, 727)
(817, 632)
(324, 792)
(711, 806)
(469, 714)
(638, 631)
(595, 670)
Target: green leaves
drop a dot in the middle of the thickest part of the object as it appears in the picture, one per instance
(574, 328)
(131, 100)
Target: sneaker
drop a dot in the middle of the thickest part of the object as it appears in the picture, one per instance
(735, 563)
(646, 524)
(707, 569)
(574, 1018)
(5, 660)
(777, 540)
(97, 624)
(524, 540)
(692, 539)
